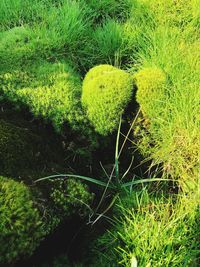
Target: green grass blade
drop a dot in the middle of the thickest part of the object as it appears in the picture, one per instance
(85, 178)
(140, 181)
(117, 151)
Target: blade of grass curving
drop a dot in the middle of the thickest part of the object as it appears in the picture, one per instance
(107, 209)
(127, 171)
(85, 178)
(105, 172)
(116, 165)
(129, 131)
(141, 181)
(117, 151)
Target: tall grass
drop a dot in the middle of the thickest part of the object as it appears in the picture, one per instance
(19, 12)
(154, 230)
(174, 121)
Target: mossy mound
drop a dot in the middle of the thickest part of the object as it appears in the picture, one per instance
(106, 93)
(20, 222)
(19, 150)
(16, 46)
(150, 84)
(50, 90)
(55, 97)
(62, 200)
(70, 197)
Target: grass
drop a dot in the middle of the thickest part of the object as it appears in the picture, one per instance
(153, 229)
(47, 47)
(173, 121)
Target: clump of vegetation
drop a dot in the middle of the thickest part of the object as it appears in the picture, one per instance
(20, 223)
(54, 94)
(17, 13)
(62, 31)
(150, 84)
(106, 44)
(16, 47)
(18, 149)
(71, 197)
(105, 9)
(173, 124)
(152, 231)
(106, 93)
(51, 91)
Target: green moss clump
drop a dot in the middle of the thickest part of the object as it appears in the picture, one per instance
(151, 84)
(106, 93)
(20, 223)
(55, 96)
(16, 47)
(18, 150)
(51, 91)
(71, 196)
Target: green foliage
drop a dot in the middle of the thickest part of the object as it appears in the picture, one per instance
(104, 9)
(20, 223)
(63, 31)
(43, 30)
(18, 149)
(19, 12)
(16, 47)
(71, 196)
(150, 84)
(55, 94)
(51, 91)
(106, 43)
(155, 230)
(117, 43)
(106, 93)
(173, 122)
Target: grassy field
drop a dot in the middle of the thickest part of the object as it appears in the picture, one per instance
(99, 122)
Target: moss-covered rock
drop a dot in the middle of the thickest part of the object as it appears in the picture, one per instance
(106, 93)
(151, 84)
(20, 223)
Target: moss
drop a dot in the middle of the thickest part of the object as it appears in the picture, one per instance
(106, 93)
(20, 223)
(18, 149)
(16, 46)
(71, 197)
(55, 97)
(25, 151)
(50, 90)
(151, 84)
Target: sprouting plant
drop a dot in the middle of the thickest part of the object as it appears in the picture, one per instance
(114, 180)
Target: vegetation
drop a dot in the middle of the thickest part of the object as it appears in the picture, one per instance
(70, 197)
(20, 224)
(106, 92)
(153, 231)
(72, 72)
(150, 90)
(18, 149)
